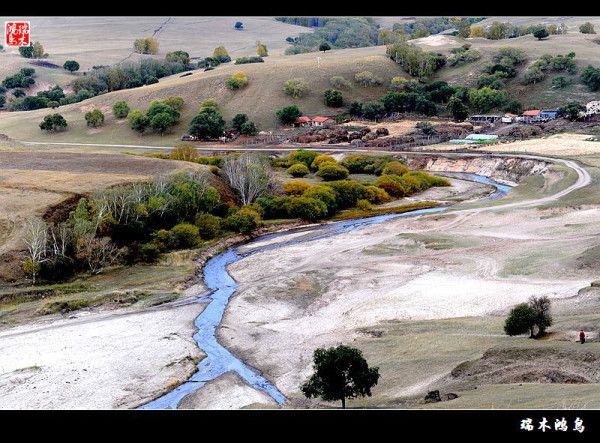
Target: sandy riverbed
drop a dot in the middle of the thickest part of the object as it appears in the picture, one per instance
(431, 268)
(97, 360)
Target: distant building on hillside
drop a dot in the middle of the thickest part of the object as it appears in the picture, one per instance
(509, 118)
(484, 118)
(549, 114)
(302, 121)
(530, 116)
(322, 121)
(317, 121)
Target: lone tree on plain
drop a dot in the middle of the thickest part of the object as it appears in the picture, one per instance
(340, 373)
(324, 47)
(71, 66)
(541, 33)
(53, 122)
(525, 317)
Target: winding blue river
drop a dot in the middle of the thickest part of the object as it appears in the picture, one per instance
(218, 359)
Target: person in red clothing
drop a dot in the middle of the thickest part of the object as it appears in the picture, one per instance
(582, 336)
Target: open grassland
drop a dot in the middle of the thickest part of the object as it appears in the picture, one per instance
(138, 286)
(31, 181)
(108, 40)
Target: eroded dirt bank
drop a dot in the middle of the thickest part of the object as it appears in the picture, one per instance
(503, 169)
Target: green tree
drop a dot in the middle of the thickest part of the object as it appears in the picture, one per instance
(288, 114)
(181, 57)
(138, 121)
(26, 51)
(306, 208)
(120, 109)
(333, 98)
(162, 122)
(571, 110)
(520, 320)
(302, 156)
(298, 170)
(53, 122)
(587, 28)
(485, 99)
(71, 65)
(296, 87)
(457, 109)
(332, 171)
(324, 47)
(249, 128)
(373, 110)
(541, 33)
(94, 118)
(340, 373)
(208, 124)
(542, 316)
(590, 77)
(208, 225)
(244, 221)
(238, 121)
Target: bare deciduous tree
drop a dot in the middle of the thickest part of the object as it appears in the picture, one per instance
(249, 175)
(36, 241)
(97, 253)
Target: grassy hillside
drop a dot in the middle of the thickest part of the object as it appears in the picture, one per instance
(108, 40)
(264, 95)
(260, 99)
(539, 94)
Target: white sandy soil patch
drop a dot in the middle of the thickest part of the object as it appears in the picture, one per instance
(97, 361)
(226, 392)
(566, 144)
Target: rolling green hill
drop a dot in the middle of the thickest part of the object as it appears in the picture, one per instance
(264, 94)
(260, 99)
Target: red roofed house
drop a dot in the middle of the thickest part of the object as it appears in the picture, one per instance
(322, 121)
(302, 121)
(530, 116)
(509, 118)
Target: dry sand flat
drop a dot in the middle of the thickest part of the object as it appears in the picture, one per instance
(226, 392)
(97, 361)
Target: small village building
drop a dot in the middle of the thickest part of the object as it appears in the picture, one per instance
(302, 121)
(530, 116)
(322, 121)
(509, 118)
(549, 114)
(484, 118)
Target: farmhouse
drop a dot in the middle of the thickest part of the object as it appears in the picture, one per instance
(317, 121)
(530, 116)
(302, 121)
(549, 114)
(509, 118)
(322, 121)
